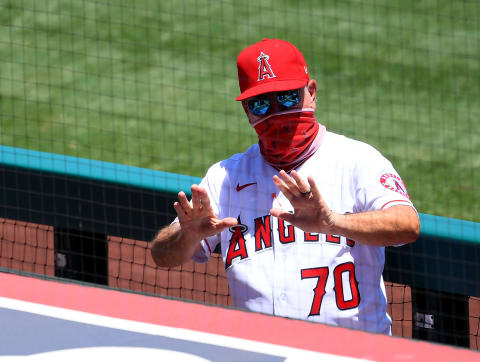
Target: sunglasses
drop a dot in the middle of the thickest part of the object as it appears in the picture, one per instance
(260, 106)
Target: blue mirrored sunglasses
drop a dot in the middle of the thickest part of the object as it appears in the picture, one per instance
(260, 106)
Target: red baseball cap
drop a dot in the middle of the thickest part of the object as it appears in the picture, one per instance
(271, 65)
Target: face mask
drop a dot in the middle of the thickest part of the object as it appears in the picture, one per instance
(288, 138)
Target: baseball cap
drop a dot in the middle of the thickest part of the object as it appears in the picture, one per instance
(271, 65)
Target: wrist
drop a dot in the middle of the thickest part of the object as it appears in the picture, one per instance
(336, 223)
(187, 237)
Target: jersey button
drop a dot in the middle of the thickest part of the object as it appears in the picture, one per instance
(283, 296)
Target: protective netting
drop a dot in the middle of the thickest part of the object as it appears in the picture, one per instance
(152, 84)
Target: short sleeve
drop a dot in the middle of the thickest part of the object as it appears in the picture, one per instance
(378, 184)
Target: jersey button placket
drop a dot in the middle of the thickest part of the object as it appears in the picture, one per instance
(280, 280)
(277, 307)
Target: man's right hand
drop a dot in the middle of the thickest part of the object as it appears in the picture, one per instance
(176, 244)
(197, 220)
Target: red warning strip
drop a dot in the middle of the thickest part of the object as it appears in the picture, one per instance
(227, 322)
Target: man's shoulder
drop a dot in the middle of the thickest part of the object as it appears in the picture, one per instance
(237, 161)
(350, 153)
(250, 155)
(347, 145)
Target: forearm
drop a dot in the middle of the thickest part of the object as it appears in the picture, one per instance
(398, 224)
(172, 247)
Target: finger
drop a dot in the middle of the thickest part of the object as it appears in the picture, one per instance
(200, 191)
(182, 198)
(227, 222)
(196, 197)
(282, 187)
(202, 196)
(313, 187)
(282, 214)
(303, 186)
(179, 210)
(290, 182)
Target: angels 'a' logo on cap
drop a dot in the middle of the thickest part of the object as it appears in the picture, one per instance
(264, 68)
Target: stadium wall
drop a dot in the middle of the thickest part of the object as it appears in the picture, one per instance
(47, 198)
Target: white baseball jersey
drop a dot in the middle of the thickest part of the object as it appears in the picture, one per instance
(276, 268)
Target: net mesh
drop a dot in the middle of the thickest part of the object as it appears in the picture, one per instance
(152, 84)
(29, 247)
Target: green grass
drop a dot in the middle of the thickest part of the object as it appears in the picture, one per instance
(152, 83)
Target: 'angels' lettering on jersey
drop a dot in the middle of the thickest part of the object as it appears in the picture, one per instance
(264, 229)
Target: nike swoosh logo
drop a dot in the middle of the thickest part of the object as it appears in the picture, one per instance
(240, 188)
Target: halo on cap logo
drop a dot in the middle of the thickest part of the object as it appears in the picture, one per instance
(264, 68)
(394, 182)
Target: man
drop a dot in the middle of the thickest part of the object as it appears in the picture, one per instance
(304, 215)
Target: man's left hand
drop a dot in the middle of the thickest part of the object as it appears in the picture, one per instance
(311, 213)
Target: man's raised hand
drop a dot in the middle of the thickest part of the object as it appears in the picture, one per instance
(197, 218)
(311, 213)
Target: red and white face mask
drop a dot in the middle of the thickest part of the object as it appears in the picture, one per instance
(289, 137)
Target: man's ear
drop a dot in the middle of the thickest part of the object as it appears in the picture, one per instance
(312, 89)
(310, 98)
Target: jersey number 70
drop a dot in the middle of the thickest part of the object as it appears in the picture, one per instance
(347, 269)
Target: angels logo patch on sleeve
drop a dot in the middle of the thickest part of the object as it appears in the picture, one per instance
(394, 182)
